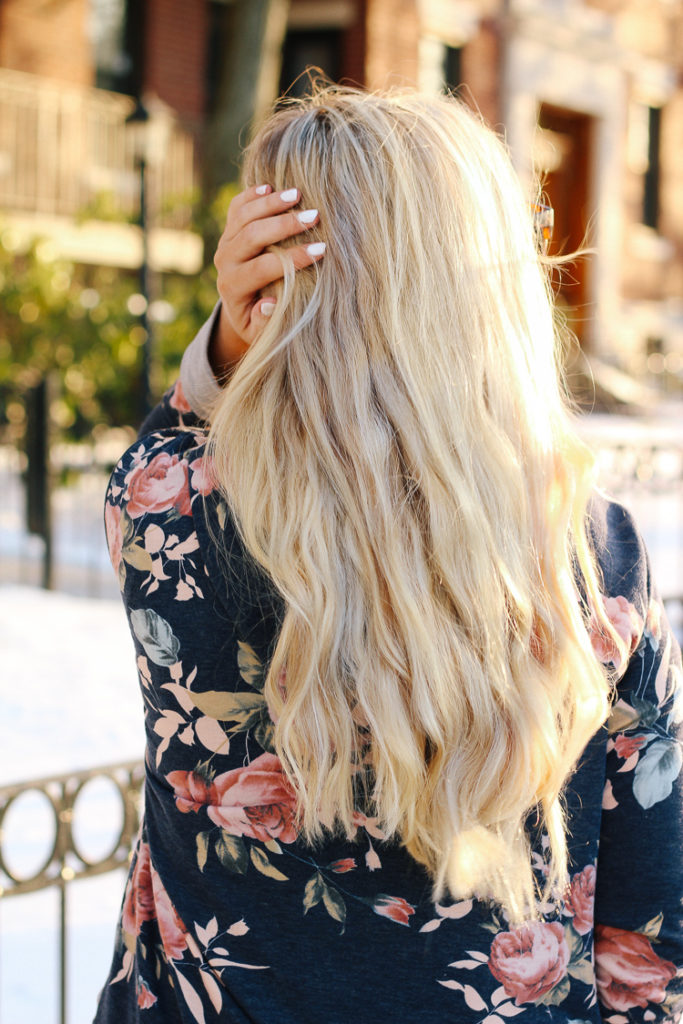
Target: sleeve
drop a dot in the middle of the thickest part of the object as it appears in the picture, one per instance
(639, 892)
(199, 385)
(189, 402)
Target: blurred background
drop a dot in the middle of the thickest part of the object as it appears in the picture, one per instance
(121, 125)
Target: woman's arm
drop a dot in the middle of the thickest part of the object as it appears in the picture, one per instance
(639, 894)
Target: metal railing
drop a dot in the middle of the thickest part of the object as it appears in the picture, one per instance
(65, 861)
(63, 147)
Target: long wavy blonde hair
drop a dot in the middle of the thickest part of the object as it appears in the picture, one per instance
(397, 455)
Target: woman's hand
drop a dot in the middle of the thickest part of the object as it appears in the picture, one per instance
(257, 218)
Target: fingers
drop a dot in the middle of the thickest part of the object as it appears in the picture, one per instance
(257, 235)
(259, 218)
(265, 269)
(252, 205)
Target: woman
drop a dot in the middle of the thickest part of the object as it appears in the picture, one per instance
(380, 619)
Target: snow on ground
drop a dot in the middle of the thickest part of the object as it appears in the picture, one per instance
(67, 663)
(70, 700)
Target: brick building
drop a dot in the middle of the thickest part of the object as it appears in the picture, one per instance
(588, 92)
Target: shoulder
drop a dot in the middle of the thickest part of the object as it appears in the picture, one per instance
(165, 471)
(157, 490)
(619, 550)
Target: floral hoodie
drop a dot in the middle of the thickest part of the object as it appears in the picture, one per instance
(228, 916)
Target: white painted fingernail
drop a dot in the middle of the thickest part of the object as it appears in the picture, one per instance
(289, 196)
(267, 308)
(261, 190)
(316, 249)
(307, 216)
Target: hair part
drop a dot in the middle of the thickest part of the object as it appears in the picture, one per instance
(396, 452)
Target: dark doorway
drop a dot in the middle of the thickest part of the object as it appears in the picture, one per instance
(564, 161)
(306, 48)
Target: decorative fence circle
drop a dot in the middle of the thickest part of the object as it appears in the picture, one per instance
(66, 800)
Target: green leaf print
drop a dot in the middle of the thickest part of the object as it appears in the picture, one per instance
(232, 852)
(648, 713)
(202, 849)
(334, 904)
(556, 995)
(228, 707)
(651, 929)
(622, 717)
(656, 772)
(313, 891)
(264, 732)
(156, 636)
(135, 555)
(583, 971)
(261, 862)
(250, 666)
(127, 528)
(574, 943)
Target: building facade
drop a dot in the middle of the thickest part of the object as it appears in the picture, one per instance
(588, 94)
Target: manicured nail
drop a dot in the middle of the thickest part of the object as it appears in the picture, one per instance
(316, 249)
(307, 216)
(262, 189)
(289, 196)
(267, 308)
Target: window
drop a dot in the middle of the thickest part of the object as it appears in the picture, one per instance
(452, 67)
(651, 179)
(116, 33)
(303, 48)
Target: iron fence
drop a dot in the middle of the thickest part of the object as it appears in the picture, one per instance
(65, 860)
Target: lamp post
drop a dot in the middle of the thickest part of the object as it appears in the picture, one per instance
(148, 131)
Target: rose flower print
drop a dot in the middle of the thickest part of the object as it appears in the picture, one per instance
(580, 899)
(629, 972)
(191, 791)
(530, 960)
(256, 801)
(158, 486)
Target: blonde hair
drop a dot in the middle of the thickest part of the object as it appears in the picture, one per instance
(397, 455)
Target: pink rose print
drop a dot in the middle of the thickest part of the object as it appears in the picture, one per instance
(191, 791)
(138, 902)
(146, 998)
(625, 746)
(112, 523)
(628, 970)
(177, 399)
(530, 960)
(202, 478)
(256, 801)
(159, 486)
(172, 930)
(581, 898)
(393, 907)
(628, 624)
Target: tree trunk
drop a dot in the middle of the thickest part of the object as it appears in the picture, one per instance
(253, 35)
